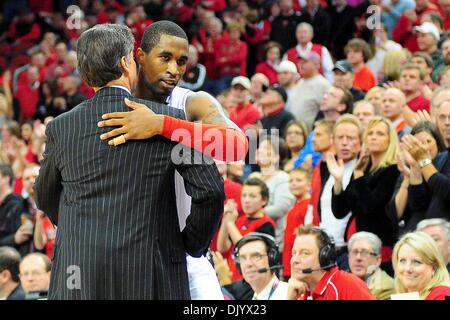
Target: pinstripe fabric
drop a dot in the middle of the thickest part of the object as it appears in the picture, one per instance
(115, 207)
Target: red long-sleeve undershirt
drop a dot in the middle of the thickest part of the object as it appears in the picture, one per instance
(213, 140)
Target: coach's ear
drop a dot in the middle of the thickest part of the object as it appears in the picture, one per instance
(140, 54)
(125, 63)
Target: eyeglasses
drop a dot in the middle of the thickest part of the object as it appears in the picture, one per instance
(364, 253)
(254, 257)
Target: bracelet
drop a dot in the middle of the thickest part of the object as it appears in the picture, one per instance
(424, 162)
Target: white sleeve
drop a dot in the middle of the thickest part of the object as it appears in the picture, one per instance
(327, 65)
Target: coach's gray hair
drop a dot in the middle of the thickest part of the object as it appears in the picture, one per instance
(99, 51)
(435, 222)
(374, 240)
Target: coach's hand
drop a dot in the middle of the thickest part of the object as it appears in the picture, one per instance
(141, 123)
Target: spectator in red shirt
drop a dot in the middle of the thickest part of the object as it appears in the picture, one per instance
(314, 272)
(403, 31)
(300, 187)
(178, 12)
(24, 30)
(28, 94)
(60, 67)
(243, 113)
(444, 6)
(269, 67)
(214, 5)
(232, 190)
(47, 47)
(210, 39)
(358, 53)
(420, 267)
(411, 82)
(256, 34)
(44, 7)
(137, 21)
(254, 197)
(21, 76)
(304, 34)
(231, 57)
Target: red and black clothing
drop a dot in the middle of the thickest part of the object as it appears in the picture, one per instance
(295, 218)
(248, 225)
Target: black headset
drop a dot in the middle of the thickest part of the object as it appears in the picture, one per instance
(273, 252)
(327, 254)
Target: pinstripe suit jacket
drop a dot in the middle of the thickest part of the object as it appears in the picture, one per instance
(118, 232)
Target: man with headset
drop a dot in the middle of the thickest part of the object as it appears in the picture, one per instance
(257, 256)
(314, 272)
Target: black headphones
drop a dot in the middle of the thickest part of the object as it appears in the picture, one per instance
(273, 252)
(327, 254)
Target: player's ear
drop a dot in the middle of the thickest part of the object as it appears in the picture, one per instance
(140, 55)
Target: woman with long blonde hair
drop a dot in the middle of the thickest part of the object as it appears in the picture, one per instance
(419, 267)
(371, 187)
(392, 65)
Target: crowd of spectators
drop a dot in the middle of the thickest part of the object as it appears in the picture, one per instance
(352, 121)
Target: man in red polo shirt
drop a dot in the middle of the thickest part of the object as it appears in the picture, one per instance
(243, 113)
(314, 275)
(411, 82)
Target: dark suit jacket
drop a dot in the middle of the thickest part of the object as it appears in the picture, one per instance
(118, 232)
(17, 294)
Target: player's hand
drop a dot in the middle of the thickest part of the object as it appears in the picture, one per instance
(139, 124)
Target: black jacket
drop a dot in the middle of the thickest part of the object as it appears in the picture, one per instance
(433, 197)
(17, 294)
(321, 23)
(283, 29)
(367, 198)
(115, 207)
(11, 210)
(277, 121)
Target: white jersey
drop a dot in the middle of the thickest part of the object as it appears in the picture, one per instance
(203, 282)
(178, 100)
